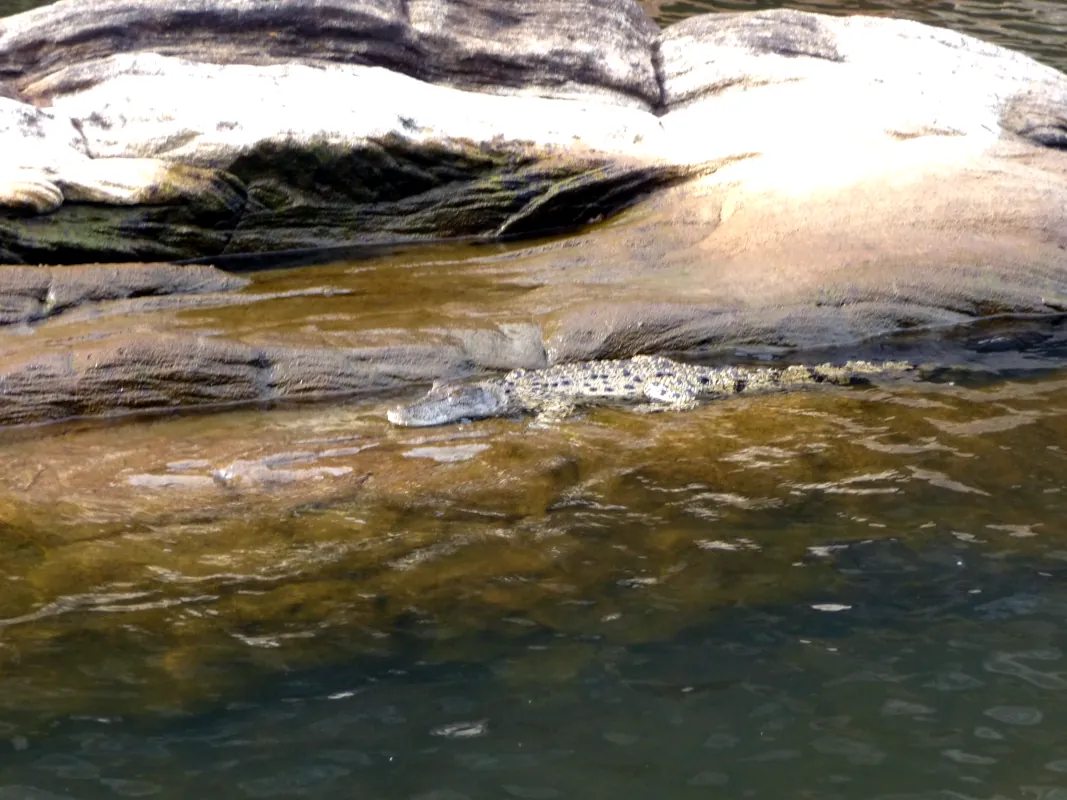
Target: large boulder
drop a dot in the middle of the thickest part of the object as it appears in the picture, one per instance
(328, 120)
(791, 181)
(554, 48)
(231, 126)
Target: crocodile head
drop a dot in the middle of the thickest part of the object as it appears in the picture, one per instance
(451, 402)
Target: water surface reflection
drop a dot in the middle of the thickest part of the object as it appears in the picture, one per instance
(916, 673)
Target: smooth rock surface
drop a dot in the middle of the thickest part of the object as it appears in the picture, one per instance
(786, 181)
(917, 243)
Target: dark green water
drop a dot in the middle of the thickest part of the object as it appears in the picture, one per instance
(936, 672)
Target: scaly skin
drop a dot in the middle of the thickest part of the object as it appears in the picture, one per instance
(656, 382)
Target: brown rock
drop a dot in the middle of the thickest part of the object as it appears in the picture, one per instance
(28, 294)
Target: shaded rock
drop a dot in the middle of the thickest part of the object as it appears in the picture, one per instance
(508, 346)
(712, 53)
(28, 294)
(153, 372)
(48, 39)
(1039, 115)
(88, 232)
(397, 191)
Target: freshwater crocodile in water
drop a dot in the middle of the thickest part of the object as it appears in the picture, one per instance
(655, 382)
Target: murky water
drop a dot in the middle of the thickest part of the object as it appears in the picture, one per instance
(849, 594)
(840, 594)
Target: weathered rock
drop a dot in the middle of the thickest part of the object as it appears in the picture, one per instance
(805, 181)
(715, 53)
(38, 145)
(399, 150)
(155, 371)
(796, 262)
(322, 175)
(29, 294)
(598, 47)
(69, 52)
(555, 48)
(760, 69)
(51, 164)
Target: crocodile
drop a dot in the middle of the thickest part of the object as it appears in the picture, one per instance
(652, 383)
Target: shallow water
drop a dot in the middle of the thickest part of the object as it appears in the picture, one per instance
(854, 594)
(839, 594)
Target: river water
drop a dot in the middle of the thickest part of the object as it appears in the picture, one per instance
(837, 595)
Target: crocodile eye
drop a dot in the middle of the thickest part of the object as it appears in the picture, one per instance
(704, 379)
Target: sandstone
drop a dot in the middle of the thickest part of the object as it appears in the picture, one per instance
(420, 138)
(29, 294)
(777, 179)
(154, 371)
(598, 47)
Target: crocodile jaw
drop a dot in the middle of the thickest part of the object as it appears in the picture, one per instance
(450, 403)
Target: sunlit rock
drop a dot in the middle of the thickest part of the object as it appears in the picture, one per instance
(556, 48)
(181, 109)
(416, 102)
(25, 189)
(789, 181)
(47, 163)
(37, 145)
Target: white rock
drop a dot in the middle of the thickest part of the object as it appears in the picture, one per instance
(209, 114)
